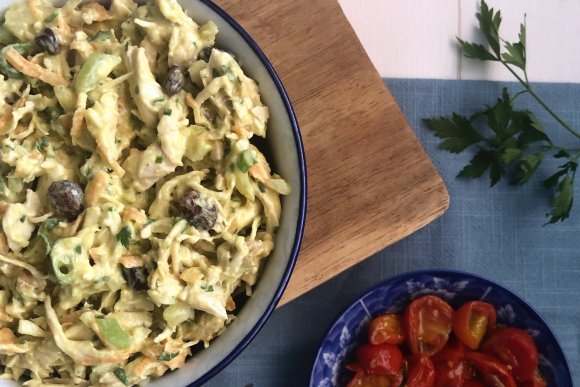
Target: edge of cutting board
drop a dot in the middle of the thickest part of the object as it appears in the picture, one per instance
(370, 182)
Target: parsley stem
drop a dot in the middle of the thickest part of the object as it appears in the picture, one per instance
(532, 92)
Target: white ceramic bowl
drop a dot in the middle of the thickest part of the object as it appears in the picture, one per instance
(287, 157)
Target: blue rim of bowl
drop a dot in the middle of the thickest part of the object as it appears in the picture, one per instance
(301, 205)
(524, 304)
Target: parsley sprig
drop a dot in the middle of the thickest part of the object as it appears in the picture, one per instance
(514, 142)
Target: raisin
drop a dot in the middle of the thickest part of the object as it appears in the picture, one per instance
(48, 41)
(65, 198)
(197, 212)
(136, 277)
(174, 80)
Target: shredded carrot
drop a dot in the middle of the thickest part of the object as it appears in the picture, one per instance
(5, 317)
(96, 187)
(33, 70)
(130, 261)
(261, 170)
(98, 10)
(230, 304)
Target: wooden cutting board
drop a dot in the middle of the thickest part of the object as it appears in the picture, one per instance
(370, 183)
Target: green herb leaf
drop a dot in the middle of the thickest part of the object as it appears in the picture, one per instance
(564, 199)
(489, 23)
(475, 51)
(261, 187)
(124, 236)
(207, 288)
(78, 249)
(528, 166)
(167, 112)
(532, 130)
(165, 356)
(499, 117)
(50, 17)
(121, 375)
(158, 159)
(478, 164)
(220, 71)
(458, 132)
(41, 143)
(101, 36)
(516, 54)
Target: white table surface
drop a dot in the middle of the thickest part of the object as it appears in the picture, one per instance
(416, 38)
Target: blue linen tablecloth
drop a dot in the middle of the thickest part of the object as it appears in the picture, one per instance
(495, 232)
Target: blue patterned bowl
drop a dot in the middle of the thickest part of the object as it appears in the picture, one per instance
(392, 295)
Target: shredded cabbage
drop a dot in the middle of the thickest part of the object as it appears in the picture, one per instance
(179, 211)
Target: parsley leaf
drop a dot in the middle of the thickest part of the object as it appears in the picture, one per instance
(475, 51)
(457, 132)
(158, 159)
(509, 141)
(121, 375)
(124, 236)
(564, 197)
(165, 356)
(207, 288)
(41, 143)
(489, 23)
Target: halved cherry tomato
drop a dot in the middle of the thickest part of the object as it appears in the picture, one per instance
(493, 372)
(387, 328)
(536, 381)
(427, 322)
(514, 347)
(471, 383)
(382, 359)
(362, 379)
(472, 320)
(450, 367)
(420, 372)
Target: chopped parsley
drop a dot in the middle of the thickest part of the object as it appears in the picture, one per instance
(165, 356)
(158, 159)
(207, 288)
(121, 375)
(41, 143)
(124, 236)
(50, 223)
(261, 187)
(78, 249)
(50, 17)
(22, 218)
(158, 101)
(101, 36)
(167, 112)
(220, 71)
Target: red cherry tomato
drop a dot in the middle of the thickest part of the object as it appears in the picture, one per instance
(420, 372)
(387, 328)
(472, 383)
(472, 320)
(427, 322)
(450, 367)
(536, 381)
(514, 347)
(494, 373)
(382, 359)
(362, 379)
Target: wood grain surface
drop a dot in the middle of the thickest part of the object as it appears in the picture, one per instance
(370, 183)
